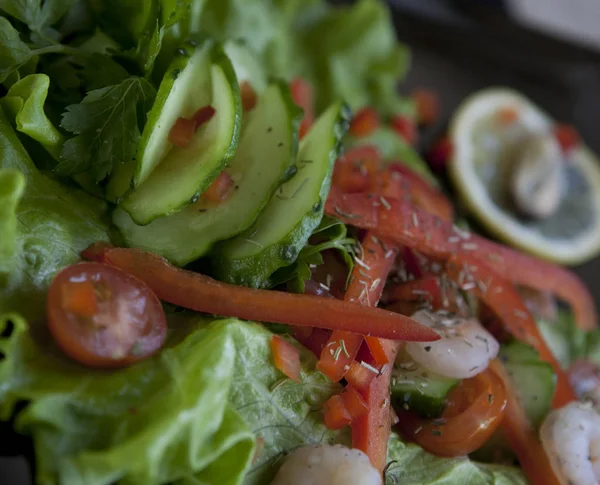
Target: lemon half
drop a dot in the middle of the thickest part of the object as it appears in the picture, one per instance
(482, 145)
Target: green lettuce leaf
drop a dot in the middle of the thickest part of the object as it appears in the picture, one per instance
(164, 420)
(25, 103)
(281, 413)
(54, 223)
(409, 464)
(12, 185)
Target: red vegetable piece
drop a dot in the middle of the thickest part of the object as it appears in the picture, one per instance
(405, 128)
(203, 294)
(302, 95)
(364, 122)
(354, 403)
(286, 357)
(440, 154)
(567, 136)
(360, 376)
(427, 104)
(336, 416)
(182, 132)
(202, 116)
(79, 298)
(248, 96)
(220, 189)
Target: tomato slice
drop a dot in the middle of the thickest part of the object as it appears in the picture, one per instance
(474, 411)
(103, 317)
(286, 357)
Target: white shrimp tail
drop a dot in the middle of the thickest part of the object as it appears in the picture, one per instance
(464, 350)
(327, 465)
(571, 438)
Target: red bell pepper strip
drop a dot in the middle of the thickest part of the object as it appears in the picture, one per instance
(423, 194)
(408, 225)
(504, 300)
(371, 432)
(220, 189)
(366, 285)
(522, 437)
(203, 294)
(286, 357)
(473, 412)
(357, 170)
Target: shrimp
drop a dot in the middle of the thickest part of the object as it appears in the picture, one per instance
(464, 350)
(327, 465)
(571, 438)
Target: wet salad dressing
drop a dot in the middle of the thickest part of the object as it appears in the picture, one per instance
(495, 145)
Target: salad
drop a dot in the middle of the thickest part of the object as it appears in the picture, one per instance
(223, 261)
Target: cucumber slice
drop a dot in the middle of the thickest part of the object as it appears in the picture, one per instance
(173, 177)
(268, 147)
(289, 219)
(417, 389)
(534, 379)
(245, 64)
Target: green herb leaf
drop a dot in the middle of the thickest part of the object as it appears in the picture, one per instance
(330, 234)
(13, 51)
(101, 71)
(107, 128)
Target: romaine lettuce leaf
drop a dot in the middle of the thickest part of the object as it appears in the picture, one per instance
(54, 223)
(409, 464)
(281, 413)
(166, 419)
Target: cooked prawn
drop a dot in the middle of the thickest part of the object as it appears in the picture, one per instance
(327, 465)
(571, 438)
(464, 350)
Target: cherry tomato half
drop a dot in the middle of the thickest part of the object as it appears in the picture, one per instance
(473, 412)
(103, 317)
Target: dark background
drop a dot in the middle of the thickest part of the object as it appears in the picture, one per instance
(460, 46)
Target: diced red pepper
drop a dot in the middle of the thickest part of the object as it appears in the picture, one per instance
(182, 132)
(248, 96)
(220, 189)
(405, 127)
(202, 116)
(286, 357)
(427, 104)
(96, 251)
(335, 414)
(567, 136)
(79, 298)
(302, 94)
(354, 403)
(364, 122)
(360, 376)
